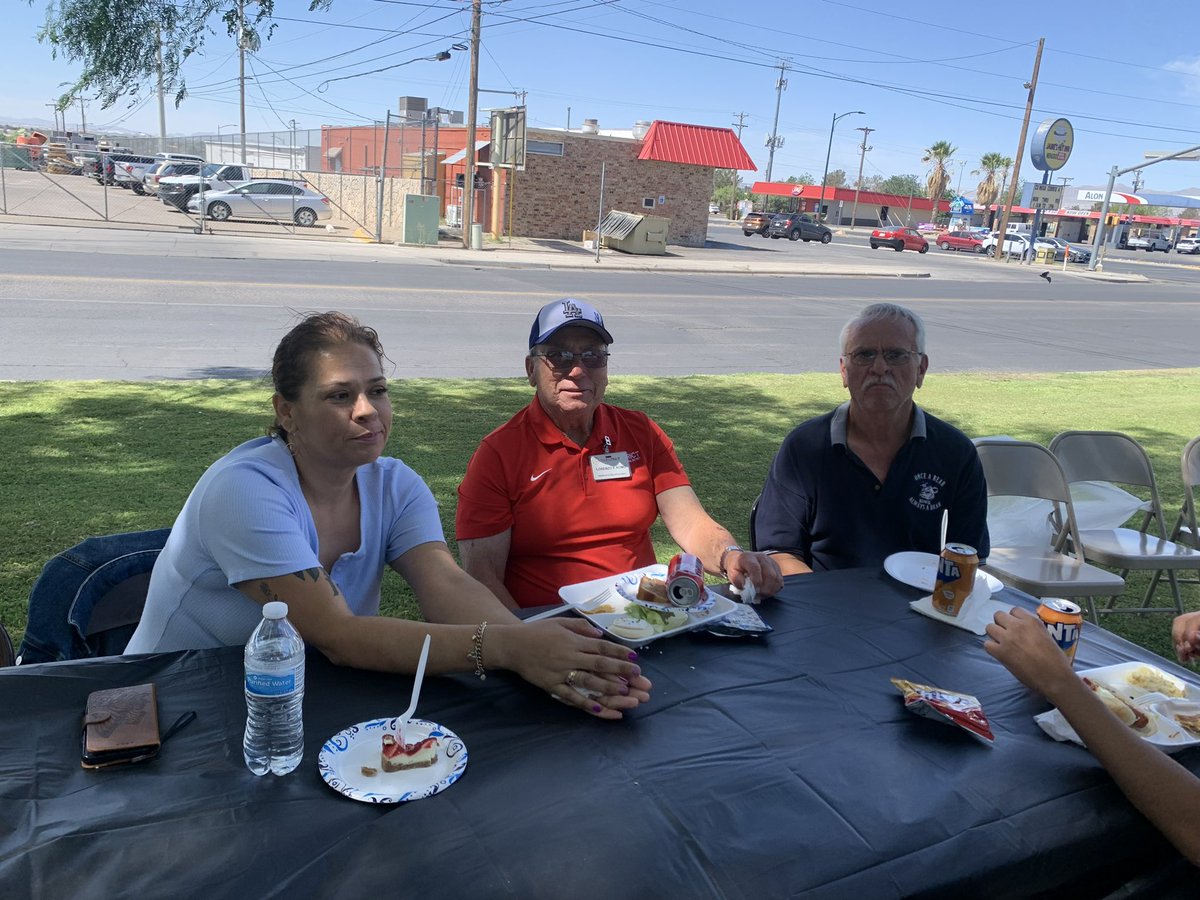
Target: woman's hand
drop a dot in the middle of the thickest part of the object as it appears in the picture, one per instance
(1019, 640)
(1185, 633)
(566, 658)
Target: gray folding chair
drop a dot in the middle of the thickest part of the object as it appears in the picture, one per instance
(1185, 531)
(1112, 456)
(1024, 469)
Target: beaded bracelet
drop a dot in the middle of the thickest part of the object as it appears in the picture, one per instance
(475, 654)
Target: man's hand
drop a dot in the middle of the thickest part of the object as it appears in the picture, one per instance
(760, 568)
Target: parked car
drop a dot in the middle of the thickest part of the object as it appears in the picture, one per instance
(799, 227)
(1076, 253)
(1149, 243)
(177, 190)
(131, 171)
(899, 237)
(267, 198)
(166, 169)
(961, 240)
(1188, 245)
(713, 209)
(1014, 245)
(757, 223)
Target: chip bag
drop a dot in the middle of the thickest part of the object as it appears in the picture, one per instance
(951, 707)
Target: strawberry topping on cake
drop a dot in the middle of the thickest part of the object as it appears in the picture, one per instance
(397, 756)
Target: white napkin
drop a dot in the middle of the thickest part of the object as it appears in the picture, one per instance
(977, 613)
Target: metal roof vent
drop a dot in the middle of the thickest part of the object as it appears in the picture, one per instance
(590, 126)
(640, 128)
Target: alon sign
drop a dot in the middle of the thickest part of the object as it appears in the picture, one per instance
(1052, 145)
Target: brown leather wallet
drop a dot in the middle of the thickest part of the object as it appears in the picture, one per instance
(120, 726)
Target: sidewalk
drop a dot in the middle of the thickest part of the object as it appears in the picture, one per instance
(715, 257)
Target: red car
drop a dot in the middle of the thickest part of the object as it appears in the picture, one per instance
(960, 240)
(899, 238)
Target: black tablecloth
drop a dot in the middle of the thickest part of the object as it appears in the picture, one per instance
(761, 768)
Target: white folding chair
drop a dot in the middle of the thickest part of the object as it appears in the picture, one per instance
(1033, 564)
(1112, 456)
(1185, 531)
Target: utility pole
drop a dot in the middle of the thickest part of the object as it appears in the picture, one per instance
(861, 159)
(1137, 181)
(775, 141)
(472, 109)
(162, 109)
(82, 116)
(1012, 190)
(739, 125)
(962, 164)
(242, 75)
(54, 107)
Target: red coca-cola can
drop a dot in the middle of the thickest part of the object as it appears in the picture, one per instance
(685, 580)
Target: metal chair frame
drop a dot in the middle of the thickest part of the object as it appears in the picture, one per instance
(1116, 457)
(1025, 469)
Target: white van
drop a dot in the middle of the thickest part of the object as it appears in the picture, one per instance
(1025, 228)
(179, 157)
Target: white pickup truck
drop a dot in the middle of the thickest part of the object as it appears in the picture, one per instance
(177, 190)
(1149, 243)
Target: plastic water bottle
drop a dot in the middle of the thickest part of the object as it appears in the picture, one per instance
(274, 740)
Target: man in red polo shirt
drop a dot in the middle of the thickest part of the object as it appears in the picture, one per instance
(566, 490)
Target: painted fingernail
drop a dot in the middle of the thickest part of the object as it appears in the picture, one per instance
(625, 689)
(632, 656)
(596, 708)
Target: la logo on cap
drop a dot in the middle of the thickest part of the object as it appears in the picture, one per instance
(571, 311)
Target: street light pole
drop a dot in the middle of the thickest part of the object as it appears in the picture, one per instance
(829, 150)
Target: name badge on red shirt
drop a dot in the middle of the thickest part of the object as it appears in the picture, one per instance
(611, 466)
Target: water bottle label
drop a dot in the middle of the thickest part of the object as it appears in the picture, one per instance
(269, 684)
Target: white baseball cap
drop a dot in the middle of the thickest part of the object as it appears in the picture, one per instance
(561, 313)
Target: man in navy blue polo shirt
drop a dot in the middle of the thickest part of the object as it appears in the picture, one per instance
(872, 478)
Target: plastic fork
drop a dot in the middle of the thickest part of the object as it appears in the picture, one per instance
(592, 603)
(402, 722)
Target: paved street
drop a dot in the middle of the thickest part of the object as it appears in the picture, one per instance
(102, 303)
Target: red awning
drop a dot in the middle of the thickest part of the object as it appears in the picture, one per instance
(695, 145)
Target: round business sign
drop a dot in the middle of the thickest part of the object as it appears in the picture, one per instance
(1052, 145)
(796, 191)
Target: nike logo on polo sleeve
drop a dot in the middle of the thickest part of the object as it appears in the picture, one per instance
(537, 476)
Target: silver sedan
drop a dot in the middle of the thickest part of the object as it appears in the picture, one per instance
(290, 201)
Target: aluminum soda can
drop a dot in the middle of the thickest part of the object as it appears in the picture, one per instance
(1064, 620)
(685, 580)
(955, 578)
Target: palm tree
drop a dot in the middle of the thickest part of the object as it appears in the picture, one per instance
(935, 185)
(1006, 165)
(988, 190)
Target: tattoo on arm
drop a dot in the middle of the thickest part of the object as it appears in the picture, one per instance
(313, 574)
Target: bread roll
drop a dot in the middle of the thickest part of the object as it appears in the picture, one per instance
(652, 590)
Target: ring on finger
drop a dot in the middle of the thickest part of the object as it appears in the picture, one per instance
(571, 676)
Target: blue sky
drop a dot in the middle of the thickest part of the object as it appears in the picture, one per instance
(920, 74)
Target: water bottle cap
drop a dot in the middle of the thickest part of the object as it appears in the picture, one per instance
(276, 609)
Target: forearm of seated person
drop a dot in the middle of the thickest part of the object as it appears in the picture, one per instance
(1162, 790)
(319, 611)
(790, 564)
(485, 560)
(445, 592)
(693, 528)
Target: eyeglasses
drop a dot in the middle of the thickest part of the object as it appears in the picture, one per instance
(564, 360)
(893, 356)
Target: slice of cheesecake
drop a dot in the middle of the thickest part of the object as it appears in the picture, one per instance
(397, 756)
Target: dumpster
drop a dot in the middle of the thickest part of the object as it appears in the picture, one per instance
(635, 233)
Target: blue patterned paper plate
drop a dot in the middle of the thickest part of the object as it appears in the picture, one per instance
(343, 757)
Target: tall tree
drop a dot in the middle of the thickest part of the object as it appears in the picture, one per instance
(988, 189)
(117, 42)
(901, 185)
(937, 155)
(836, 178)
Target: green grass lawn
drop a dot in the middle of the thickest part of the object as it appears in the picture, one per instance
(86, 458)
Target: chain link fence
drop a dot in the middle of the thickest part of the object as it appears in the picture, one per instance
(364, 174)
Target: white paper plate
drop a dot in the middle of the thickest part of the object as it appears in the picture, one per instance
(920, 571)
(713, 609)
(1168, 734)
(977, 613)
(343, 756)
